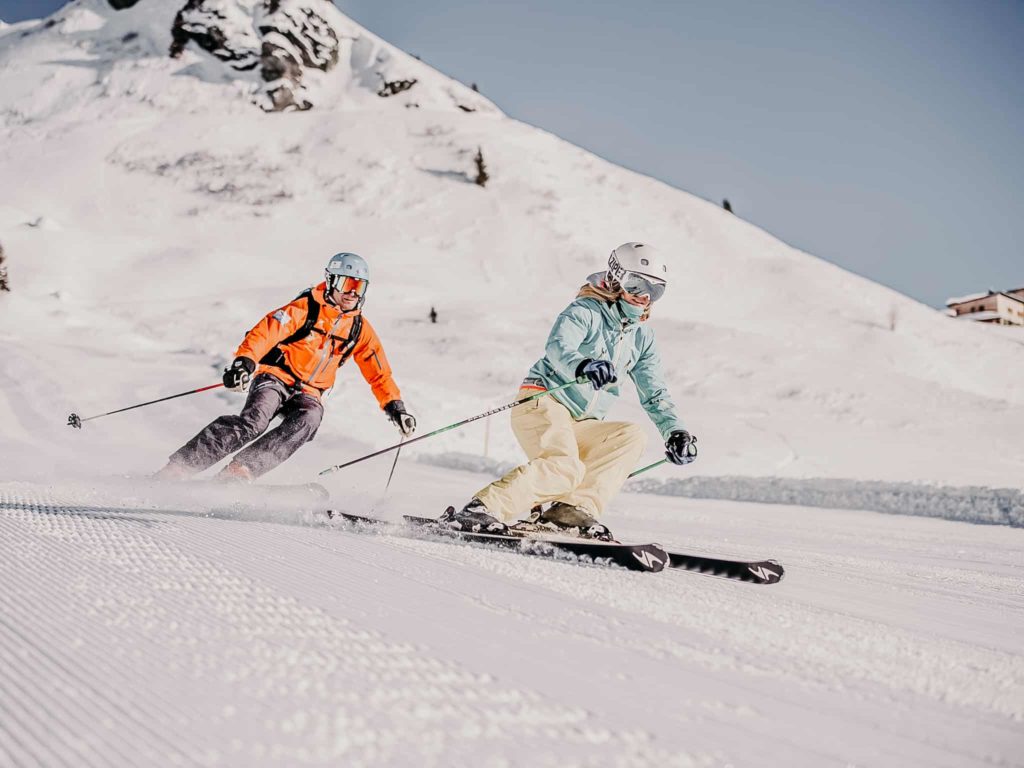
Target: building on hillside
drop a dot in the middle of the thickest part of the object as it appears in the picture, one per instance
(999, 307)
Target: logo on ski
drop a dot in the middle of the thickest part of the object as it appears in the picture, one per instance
(765, 574)
(647, 559)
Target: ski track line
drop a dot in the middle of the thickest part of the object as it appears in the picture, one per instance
(883, 691)
(129, 762)
(721, 731)
(545, 715)
(76, 747)
(97, 660)
(753, 695)
(97, 670)
(303, 573)
(22, 738)
(232, 539)
(177, 598)
(760, 606)
(374, 563)
(974, 599)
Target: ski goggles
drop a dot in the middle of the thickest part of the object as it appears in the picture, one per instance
(354, 285)
(642, 285)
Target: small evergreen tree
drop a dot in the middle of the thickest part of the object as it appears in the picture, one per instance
(4, 284)
(726, 205)
(481, 170)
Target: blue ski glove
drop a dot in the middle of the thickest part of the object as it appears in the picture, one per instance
(237, 376)
(400, 417)
(597, 372)
(681, 447)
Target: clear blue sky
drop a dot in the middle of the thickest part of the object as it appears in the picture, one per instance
(883, 136)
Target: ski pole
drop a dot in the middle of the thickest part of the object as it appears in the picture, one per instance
(640, 471)
(76, 421)
(336, 467)
(394, 464)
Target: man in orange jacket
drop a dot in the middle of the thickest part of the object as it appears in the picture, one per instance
(295, 353)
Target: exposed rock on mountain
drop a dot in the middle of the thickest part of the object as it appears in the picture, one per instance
(287, 41)
(284, 38)
(294, 37)
(220, 27)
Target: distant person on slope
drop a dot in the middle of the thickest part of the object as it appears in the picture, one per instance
(577, 460)
(295, 353)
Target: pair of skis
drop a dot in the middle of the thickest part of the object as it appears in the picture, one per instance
(647, 558)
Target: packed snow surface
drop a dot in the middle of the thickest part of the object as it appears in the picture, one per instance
(149, 632)
(151, 213)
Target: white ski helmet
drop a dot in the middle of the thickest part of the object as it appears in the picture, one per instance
(638, 268)
(347, 272)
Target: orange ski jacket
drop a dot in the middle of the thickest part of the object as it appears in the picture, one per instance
(313, 360)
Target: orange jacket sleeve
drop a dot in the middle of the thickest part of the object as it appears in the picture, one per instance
(373, 364)
(274, 328)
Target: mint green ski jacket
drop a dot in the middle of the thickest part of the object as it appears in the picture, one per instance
(598, 330)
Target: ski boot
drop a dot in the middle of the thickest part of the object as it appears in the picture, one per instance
(574, 520)
(472, 518)
(235, 473)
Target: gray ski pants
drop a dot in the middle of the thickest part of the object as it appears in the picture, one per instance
(268, 397)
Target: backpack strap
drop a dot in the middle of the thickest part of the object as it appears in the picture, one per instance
(275, 357)
(353, 339)
(312, 315)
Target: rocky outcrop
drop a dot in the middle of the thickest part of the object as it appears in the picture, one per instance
(394, 87)
(222, 28)
(295, 36)
(120, 5)
(290, 44)
(283, 38)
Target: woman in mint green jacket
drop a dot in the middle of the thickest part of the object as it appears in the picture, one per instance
(577, 460)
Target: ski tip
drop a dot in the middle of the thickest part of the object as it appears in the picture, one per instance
(766, 572)
(651, 558)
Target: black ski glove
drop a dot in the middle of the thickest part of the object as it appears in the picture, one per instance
(400, 417)
(598, 372)
(237, 376)
(681, 447)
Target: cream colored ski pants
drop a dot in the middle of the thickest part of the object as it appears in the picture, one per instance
(582, 463)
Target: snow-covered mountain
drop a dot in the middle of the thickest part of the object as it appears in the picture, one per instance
(153, 209)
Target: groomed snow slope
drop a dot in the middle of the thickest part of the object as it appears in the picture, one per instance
(156, 214)
(135, 634)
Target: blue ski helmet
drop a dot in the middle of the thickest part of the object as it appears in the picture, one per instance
(347, 272)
